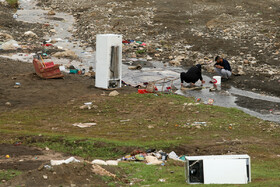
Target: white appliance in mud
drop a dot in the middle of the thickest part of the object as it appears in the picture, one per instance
(218, 169)
(108, 61)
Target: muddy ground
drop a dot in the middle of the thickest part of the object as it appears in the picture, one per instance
(35, 163)
(34, 91)
(244, 32)
(237, 30)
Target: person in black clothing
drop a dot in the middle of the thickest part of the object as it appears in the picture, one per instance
(192, 75)
(222, 67)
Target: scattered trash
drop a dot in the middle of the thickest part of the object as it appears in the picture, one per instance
(7, 156)
(46, 70)
(112, 162)
(125, 120)
(201, 123)
(108, 162)
(161, 180)
(47, 167)
(84, 125)
(151, 88)
(15, 16)
(89, 106)
(113, 93)
(62, 68)
(17, 143)
(99, 162)
(73, 71)
(174, 156)
(153, 160)
(67, 161)
(210, 101)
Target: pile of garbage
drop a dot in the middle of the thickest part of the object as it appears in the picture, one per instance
(150, 157)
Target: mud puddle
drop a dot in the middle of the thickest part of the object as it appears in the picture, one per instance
(261, 106)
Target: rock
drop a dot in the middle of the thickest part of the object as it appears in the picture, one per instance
(53, 30)
(246, 62)
(90, 74)
(113, 93)
(8, 104)
(67, 53)
(177, 61)
(30, 34)
(5, 36)
(138, 67)
(51, 13)
(10, 45)
(149, 58)
(40, 167)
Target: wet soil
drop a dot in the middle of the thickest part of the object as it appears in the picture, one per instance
(17, 28)
(260, 106)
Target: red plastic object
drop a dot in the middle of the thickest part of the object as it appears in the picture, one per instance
(47, 70)
(47, 45)
(142, 91)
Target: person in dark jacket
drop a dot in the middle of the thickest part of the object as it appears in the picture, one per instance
(192, 75)
(222, 67)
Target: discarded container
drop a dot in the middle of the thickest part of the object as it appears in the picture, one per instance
(73, 71)
(142, 91)
(67, 161)
(210, 101)
(217, 79)
(218, 169)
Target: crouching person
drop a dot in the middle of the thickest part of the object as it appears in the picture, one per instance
(192, 75)
(222, 67)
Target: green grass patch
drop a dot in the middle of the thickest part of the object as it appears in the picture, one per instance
(13, 3)
(8, 174)
(145, 121)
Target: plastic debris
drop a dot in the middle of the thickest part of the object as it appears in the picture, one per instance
(67, 161)
(99, 162)
(112, 162)
(84, 125)
(174, 156)
(108, 162)
(210, 101)
(153, 160)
